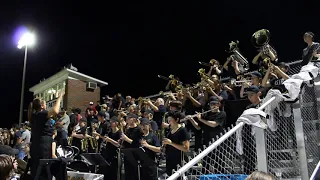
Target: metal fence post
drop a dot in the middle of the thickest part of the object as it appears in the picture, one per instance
(300, 140)
(261, 149)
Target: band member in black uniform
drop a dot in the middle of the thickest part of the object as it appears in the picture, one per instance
(93, 140)
(103, 129)
(42, 131)
(176, 143)
(249, 158)
(110, 151)
(212, 125)
(194, 102)
(152, 146)
(79, 136)
(131, 139)
(312, 51)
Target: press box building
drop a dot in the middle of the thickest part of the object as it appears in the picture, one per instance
(80, 89)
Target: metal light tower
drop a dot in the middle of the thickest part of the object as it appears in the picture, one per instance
(26, 40)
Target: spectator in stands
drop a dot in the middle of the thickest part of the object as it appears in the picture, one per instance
(11, 152)
(90, 113)
(258, 175)
(6, 167)
(25, 140)
(98, 106)
(16, 136)
(64, 120)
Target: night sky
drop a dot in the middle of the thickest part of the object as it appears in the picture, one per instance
(129, 44)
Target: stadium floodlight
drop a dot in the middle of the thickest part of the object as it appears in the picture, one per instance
(28, 39)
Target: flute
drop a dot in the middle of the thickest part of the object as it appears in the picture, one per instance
(195, 115)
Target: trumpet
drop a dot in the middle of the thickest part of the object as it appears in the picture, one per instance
(239, 83)
(203, 74)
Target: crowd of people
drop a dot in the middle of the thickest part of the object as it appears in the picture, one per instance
(161, 126)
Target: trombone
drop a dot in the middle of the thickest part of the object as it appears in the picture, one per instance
(174, 81)
(212, 62)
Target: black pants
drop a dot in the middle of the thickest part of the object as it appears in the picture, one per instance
(110, 172)
(131, 171)
(40, 149)
(148, 172)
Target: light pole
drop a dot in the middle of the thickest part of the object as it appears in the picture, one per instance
(26, 40)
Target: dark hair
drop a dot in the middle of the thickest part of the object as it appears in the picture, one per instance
(77, 110)
(36, 104)
(6, 166)
(175, 114)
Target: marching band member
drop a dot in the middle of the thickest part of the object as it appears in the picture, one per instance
(312, 51)
(152, 146)
(194, 101)
(255, 81)
(149, 115)
(254, 94)
(176, 143)
(275, 77)
(109, 152)
(79, 136)
(131, 139)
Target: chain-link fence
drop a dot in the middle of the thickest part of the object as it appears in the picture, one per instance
(281, 144)
(224, 161)
(310, 123)
(289, 150)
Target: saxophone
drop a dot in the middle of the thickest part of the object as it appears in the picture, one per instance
(93, 140)
(84, 143)
(70, 138)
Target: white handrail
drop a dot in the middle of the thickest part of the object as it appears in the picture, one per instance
(205, 152)
(315, 171)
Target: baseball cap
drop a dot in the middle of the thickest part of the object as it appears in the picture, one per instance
(144, 121)
(256, 74)
(213, 102)
(102, 114)
(252, 89)
(94, 121)
(115, 119)
(149, 111)
(4, 149)
(91, 103)
(131, 115)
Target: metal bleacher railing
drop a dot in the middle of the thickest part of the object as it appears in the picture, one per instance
(291, 151)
